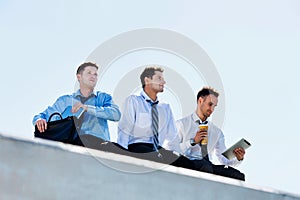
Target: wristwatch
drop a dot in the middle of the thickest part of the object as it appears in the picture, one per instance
(192, 142)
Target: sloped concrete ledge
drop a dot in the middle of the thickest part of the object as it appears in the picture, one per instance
(40, 169)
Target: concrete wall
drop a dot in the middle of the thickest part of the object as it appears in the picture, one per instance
(39, 169)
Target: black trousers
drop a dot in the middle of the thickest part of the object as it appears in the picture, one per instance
(222, 170)
(137, 150)
(146, 151)
(97, 143)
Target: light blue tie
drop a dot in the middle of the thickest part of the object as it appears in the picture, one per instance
(154, 125)
(155, 121)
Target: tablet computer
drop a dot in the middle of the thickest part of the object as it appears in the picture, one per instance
(228, 153)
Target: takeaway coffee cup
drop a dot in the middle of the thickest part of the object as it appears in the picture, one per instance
(203, 127)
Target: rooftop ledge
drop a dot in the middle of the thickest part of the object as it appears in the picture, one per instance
(41, 169)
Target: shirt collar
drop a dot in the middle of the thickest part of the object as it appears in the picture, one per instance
(78, 93)
(83, 99)
(147, 98)
(196, 118)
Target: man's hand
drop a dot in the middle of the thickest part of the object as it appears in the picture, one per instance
(77, 106)
(239, 153)
(41, 125)
(200, 135)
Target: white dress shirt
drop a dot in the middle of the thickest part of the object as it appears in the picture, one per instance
(135, 123)
(187, 128)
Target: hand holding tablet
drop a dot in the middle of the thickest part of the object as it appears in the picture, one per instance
(242, 143)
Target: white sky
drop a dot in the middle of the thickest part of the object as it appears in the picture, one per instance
(254, 44)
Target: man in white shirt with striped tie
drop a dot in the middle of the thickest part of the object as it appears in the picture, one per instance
(147, 125)
(190, 138)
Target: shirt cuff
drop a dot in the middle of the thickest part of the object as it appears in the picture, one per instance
(92, 109)
(185, 146)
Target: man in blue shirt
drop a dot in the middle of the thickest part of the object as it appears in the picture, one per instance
(98, 107)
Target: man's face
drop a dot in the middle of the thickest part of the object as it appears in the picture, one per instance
(208, 104)
(88, 77)
(157, 82)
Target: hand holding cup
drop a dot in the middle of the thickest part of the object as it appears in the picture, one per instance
(204, 128)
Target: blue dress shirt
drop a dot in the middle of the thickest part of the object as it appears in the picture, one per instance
(100, 109)
(135, 123)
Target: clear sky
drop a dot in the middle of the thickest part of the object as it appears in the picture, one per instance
(254, 45)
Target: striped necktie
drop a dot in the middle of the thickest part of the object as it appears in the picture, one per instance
(154, 126)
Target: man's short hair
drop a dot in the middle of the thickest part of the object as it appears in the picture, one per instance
(205, 91)
(149, 72)
(84, 65)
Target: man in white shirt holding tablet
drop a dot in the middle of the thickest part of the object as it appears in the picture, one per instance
(191, 139)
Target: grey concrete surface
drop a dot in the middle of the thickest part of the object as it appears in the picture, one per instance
(40, 169)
